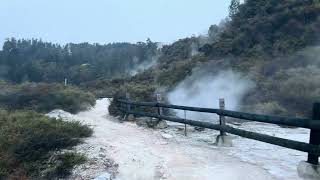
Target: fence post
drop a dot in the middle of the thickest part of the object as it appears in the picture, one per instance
(119, 104)
(127, 107)
(185, 124)
(311, 168)
(159, 99)
(222, 119)
(314, 135)
(222, 139)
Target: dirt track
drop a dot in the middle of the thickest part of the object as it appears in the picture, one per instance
(145, 154)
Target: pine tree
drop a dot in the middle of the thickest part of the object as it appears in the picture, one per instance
(234, 7)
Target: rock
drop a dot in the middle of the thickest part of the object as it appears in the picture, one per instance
(162, 143)
(142, 121)
(166, 136)
(162, 125)
(130, 117)
(224, 141)
(180, 128)
(199, 128)
(102, 155)
(105, 176)
(151, 123)
(308, 171)
(102, 149)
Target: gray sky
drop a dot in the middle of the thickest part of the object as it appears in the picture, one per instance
(105, 21)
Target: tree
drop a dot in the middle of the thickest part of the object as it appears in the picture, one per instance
(213, 32)
(234, 7)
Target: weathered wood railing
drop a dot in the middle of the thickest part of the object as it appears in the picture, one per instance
(312, 148)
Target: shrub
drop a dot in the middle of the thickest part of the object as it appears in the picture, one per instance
(138, 92)
(62, 165)
(299, 88)
(28, 140)
(44, 97)
(286, 91)
(270, 108)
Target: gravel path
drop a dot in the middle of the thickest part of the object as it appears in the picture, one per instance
(128, 152)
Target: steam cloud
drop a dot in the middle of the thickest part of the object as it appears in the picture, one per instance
(144, 66)
(203, 89)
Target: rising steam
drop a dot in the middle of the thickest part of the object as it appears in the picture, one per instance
(144, 65)
(203, 89)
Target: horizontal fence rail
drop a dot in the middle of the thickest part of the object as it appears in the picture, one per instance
(312, 148)
(278, 120)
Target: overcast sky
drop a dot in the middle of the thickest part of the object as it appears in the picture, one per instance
(105, 21)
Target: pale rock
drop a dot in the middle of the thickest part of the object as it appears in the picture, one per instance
(162, 125)
(308, 171)
(223, 141)
(166, 136)
(105, 176)
(130, 117)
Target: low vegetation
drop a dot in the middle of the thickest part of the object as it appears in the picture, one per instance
(30, 145)
(138, 92)
(43, 97)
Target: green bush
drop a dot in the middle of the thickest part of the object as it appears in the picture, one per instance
(62, 165)
(270, 108)
(285, 90)
(44, 97)
(138, 92)
(299, 88)
(28, 140)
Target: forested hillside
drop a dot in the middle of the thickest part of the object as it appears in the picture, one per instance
(273, 43)
(266, 29)
(38, 61)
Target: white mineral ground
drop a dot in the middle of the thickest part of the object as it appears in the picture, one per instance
(129, 152)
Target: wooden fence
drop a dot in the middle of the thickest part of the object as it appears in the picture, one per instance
(312, 148)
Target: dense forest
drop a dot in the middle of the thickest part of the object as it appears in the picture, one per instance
(274, 43)
(38, 61)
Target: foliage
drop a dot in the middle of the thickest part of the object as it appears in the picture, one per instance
(38, 61)
(267, 28)
(63, 164)
(298, 88)
(104, 87)
(44, 97)
(28, 140)
(234, 7)
(179, 50)
(137, 92)
(270, 108)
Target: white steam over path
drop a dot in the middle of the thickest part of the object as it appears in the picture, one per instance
(203, 89)
(146, 154)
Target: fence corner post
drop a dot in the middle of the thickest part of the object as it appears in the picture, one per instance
(159, 100)
(314, 135)
(311, 168)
